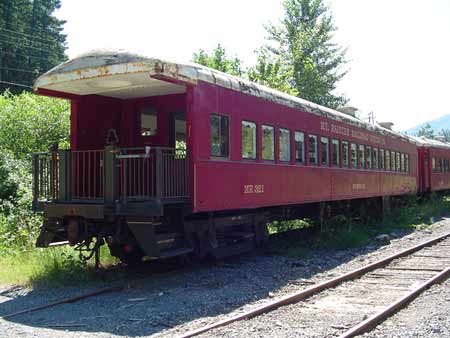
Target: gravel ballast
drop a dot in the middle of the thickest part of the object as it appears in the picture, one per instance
(165, 305)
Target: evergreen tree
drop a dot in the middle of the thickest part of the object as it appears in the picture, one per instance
(426, 131)
(301, 56)
(30, 41)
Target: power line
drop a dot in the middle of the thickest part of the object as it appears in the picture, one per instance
(25, 39)
(26, 56)
(30, 35)
(41, 49)
(16, 84)
(18, 70)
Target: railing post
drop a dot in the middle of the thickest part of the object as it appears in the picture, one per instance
(111, 178)
(65, 175)
(159, 172)
(35, 182)
(53, 176)
(124, 168)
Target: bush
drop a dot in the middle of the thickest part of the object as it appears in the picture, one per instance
(31, 123)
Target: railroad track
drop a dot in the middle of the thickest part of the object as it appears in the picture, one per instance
(404, 275)
(400, 277)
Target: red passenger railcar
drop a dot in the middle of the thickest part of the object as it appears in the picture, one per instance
(434, 165)
(170, 158)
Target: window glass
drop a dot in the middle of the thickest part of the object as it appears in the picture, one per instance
(220, 136)
(354, 156)
(335, 155)
(369, 157)
(402, 162)
(345, 153)
(407, 163)
(388, 160)
(268, 143)
(375, 158)
(285, 145)
(434, 164)
(392, 160)
(149, 122)
(248, 140)
(299, 147)
(325, 150)
(382, 159)
(440, 165)
(312, 149)
(361, 156)
(397, 161)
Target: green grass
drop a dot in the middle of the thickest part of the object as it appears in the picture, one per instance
(339, 233)
(54, 267)
(61, 266)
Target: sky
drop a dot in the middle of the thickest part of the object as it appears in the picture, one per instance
(398, 51)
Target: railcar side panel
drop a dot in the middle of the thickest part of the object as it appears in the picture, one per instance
(234, 183)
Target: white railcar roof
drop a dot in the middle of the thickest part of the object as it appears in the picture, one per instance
(121, 74)
(427, 142)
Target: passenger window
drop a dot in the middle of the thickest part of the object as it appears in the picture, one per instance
(220, 136)
(299, 147)
(361, 156)
(407, 163)
(248, 140)
(312, 149)
(402, 162)
(268, 143)
(382, 159)
(388, 160)
(434, 164)
(149, 122)
(335, 155)
(369, 157)
(354, 156)
(375, 158)
(325, 150)
(285, 145)
(392, 160)
(398, 161)
(345, 153)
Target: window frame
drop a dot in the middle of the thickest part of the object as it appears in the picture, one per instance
(354, 159)
(345, 150)
(322, 148)
(369, 157)
(151, 111)
(229, 137)
(289, 145)
(375, 158)
(362, 159)
(256, 141)
(335, 147)
(316, 150)
(273, 142)
(303, 160)
(382, 160)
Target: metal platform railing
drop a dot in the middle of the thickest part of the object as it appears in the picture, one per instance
(111, 174)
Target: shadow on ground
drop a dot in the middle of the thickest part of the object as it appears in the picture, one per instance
(163, 300)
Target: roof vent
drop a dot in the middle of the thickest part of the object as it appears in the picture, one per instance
(387, 125)
(349, 110)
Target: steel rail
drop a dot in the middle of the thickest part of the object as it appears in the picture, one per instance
(66, 300)
(372, 321)
(303, 294)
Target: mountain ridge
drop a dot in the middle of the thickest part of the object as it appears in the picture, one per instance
(437, 125)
